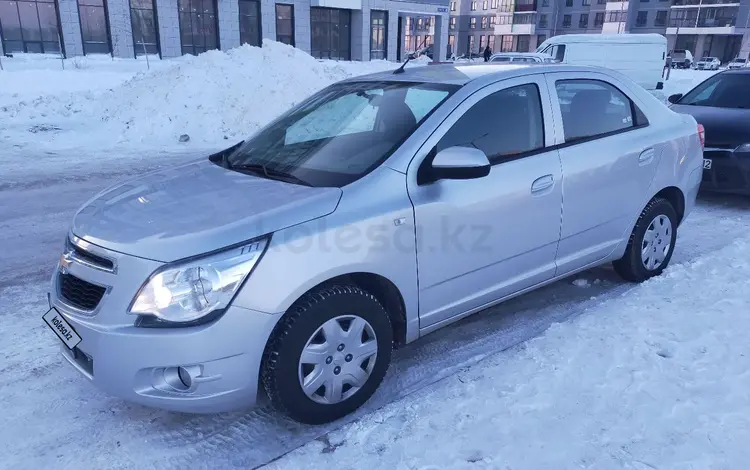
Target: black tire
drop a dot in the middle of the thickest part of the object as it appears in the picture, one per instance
(630, 267)
(283, 351)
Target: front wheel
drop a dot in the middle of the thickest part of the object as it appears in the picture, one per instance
(328, 355)
(651, 243)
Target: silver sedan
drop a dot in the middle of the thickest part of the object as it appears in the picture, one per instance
(377, 211)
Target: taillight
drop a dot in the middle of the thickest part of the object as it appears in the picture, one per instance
(702, 135)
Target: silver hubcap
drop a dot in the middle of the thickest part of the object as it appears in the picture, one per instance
(338, 359)
(656, 242)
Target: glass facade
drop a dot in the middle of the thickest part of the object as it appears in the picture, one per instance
(199, 31)
(330, 33)
(143, 20)
(94, 27)
(250, 22)
(29, 26)
(378, 34)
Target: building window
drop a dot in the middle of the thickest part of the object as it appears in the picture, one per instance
(419, 23)
(506, 20)
(94, 26)
(661, 18)
(452, 24)
(481, 44)
(540, 39)
(143, 22)
(199, 31)
(378, 34)
(250, 22)
(470, 45)
(330, 36)
(427, 22)
(29, 26)
(491, 42)
(493, 4)
(641, 19)
(566, 21)
(484, 22)
(585, 2)
(473, 23)
(451, 45)
(543, 20)
(568, 3)
(493, 20)
(601, 2)
(485, 5)
(473, 6)
(523, 43)
(285, 24)
(599, 19)
(616, 16)
(507, 44)
(583, 21)
(453, 6)
(409, 22)
(545, 3)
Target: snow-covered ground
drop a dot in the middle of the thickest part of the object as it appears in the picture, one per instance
(650, 376)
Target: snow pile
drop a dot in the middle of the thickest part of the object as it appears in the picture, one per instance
(222, 94)
(658, 378)
(212, 97)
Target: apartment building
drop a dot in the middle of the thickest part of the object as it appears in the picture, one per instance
(706, 27)
(328, 29)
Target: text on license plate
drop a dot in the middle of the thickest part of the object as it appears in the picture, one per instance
(707, 162)
(62, 328)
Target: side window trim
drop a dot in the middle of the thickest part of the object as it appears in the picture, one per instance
(426, 151)
(560, 143)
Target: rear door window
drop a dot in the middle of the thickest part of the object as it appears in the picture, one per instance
(592, 108)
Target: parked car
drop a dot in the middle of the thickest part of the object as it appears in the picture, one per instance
(379, 210)
(681, 59)
(708, 63)
(722, 105)
(521, 57)
(639, 56)
(737, 63)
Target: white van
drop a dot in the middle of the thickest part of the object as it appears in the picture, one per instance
(641, 57)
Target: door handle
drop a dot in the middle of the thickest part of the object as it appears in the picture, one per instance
(542, 183)
(646, 157)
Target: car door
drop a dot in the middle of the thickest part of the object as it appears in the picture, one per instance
(609, 155)
(479, 240)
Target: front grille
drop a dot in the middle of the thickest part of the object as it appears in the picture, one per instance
(79, 293)
(90, 258)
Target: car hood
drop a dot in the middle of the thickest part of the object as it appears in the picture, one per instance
(725, 127)
(195, 208)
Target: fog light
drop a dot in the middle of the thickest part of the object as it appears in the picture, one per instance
(185, 377)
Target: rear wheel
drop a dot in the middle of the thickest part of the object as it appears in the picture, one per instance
(328, 355)
(651, 243)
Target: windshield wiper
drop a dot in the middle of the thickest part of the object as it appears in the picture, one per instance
(262, 170)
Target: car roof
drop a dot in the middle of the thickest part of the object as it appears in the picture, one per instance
(461, 74)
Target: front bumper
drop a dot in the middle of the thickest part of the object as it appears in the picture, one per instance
(140, 365)
(729, 172)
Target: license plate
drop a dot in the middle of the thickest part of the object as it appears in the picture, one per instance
(62, 328)
(707, 162)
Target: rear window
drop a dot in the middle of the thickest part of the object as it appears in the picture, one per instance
(723, 90)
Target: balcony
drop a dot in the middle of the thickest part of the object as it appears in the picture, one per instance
(694, 3)
(616, 6)
(524, 29)
(524, 6)
(702, 25)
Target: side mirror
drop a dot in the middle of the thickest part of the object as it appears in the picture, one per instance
(674, 98)
(460, 163)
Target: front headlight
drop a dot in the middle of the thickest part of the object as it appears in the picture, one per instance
(187, 291)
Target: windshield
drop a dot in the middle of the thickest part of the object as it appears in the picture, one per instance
(723, 90)
(341, 133)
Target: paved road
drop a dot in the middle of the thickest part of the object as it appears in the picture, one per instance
(60, 421)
